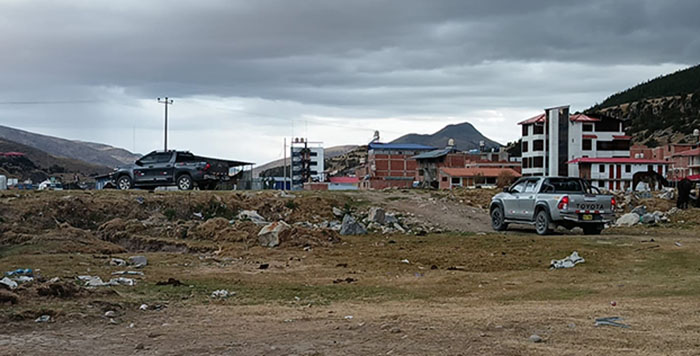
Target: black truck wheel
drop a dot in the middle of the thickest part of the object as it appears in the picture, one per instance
(184, 182)
(542, 222)
(124, 183)
(498, 219)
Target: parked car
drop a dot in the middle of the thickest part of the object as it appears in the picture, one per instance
(550, 201)
(172, 168)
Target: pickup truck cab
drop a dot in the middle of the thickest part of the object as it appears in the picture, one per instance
(550, 201)
(171, 168)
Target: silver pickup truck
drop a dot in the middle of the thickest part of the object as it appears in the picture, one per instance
(548, 201)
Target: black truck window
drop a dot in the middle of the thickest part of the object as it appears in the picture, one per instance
(564, 185)
(163, 157)
(184, 157)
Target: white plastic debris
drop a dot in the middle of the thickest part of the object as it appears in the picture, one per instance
(138, 261)
(567, 262)
(117, 262)
(143, 307)
(23, 279)
(131, 273)
(110, 313)
(10, 284)
(221, 294)
(95, 281)
(405, 261)
(348, 317)
(43, 319)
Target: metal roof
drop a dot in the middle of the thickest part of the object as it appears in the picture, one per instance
(434, 153)
(399, 146)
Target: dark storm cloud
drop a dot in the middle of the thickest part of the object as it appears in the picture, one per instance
(257, 64)
(270, 48)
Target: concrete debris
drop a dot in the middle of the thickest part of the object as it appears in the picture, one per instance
(350, 226)
(138, 261)
(390, 219)
(338, 212)
(535, 338)
(110, 313)
(377, 215)
(640, 210)
(648, 218)
(567, 262)
(222, 294)
(611, 321)
(130, 273)
(117, 262)
(8, 283)
(95, 281)
(252, 215)
(269, 235)
(43, 319)
(628, 219)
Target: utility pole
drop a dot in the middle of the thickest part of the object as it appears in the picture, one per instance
(166, 102)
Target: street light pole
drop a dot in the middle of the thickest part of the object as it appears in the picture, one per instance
(166, 102)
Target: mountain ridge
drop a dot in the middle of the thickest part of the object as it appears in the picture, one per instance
(465, 135)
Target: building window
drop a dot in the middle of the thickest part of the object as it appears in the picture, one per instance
(537, 145)
(609, 125)
(650, 168)
(420, 172)
(587, 144)
(587, 127)
(525, 129)
(628, 168)
(455, 180)
(525, 144)
(615, 145)
(537, 162)
(444, 179)
(601, 169)
(538, 129)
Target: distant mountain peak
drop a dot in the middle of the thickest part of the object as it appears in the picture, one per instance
(466, 137)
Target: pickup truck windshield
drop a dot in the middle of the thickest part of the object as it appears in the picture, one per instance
(565, 185)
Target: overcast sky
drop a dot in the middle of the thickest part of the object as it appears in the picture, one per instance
(245, 74)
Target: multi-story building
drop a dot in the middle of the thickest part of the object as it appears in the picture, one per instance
(685, 164)
(307, 162)
(594, 147)
(390, 165)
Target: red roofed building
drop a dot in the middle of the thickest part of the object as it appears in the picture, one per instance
(685, 163)
(471, 177)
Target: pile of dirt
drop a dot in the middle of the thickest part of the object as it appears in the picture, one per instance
(63, 239)
(299, 236)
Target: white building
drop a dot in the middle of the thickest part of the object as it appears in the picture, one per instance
(596, 148)
(307, 162)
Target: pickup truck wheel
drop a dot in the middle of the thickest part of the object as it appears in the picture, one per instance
(124, 183)
(542, 222)
(593, 229)
(184, 182)
(498, 219)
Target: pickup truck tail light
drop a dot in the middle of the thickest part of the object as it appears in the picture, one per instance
(613, 202)
(563, 203)
(206, 167)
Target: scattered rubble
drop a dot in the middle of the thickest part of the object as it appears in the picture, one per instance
(8, 283)
(95, 281)
(138, 261)
(43, 319)
(535, 338)
(253, 216)
(611, 321)
(567, 262)
(350, 226)
(222, 294)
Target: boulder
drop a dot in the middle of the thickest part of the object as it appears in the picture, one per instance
(376, 214)
(628, 219)
(253, 216)
(350, 226)
(269, 235)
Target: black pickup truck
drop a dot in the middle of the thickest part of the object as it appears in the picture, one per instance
(173, 168)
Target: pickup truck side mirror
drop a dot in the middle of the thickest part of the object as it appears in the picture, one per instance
(138, 163)
(506, 190)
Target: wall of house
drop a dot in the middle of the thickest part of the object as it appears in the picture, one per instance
(615, 176)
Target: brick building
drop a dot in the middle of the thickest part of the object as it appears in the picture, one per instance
(390, 165)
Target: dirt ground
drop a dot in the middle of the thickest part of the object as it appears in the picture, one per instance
(452, 293)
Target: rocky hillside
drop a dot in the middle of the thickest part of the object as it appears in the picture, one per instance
(38, 165)
(465, 135)
(659, 111)
(98, 154)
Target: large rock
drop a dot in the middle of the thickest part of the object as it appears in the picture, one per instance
(269, 235)
(376, 214)
(628, 219)
(390, 219)
(338, 212)
(253, 216)
(350, 226)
